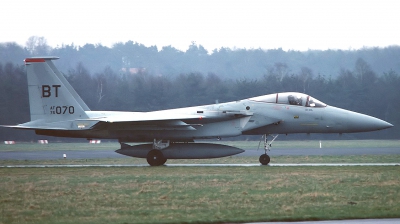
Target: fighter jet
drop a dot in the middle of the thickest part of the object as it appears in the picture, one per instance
(57, 110)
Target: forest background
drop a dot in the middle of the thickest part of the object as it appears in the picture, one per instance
(132, 77)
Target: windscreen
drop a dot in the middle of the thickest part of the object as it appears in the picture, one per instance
(271, 98)
(290, 98)
(312, 102)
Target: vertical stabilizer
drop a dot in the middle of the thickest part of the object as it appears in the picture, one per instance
(51, 97)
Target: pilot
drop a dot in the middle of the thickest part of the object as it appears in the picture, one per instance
(294, 101)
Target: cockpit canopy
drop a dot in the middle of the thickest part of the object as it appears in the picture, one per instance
(290, 98)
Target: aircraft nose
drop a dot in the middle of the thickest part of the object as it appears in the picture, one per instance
(376, 124)
(361, 122)
(346, 121)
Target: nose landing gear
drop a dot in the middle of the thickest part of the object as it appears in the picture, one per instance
(264, 158)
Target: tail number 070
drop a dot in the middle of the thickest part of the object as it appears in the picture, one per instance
(62, 110)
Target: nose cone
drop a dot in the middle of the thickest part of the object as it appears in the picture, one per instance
(362, 122)
(349, 121)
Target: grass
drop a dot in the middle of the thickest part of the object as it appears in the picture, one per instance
(197, 194)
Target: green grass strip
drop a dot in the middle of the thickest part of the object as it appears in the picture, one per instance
(197, 194)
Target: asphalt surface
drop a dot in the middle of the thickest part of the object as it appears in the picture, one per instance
(202, 165)
(91, 154)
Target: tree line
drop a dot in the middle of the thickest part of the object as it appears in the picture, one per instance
(359, 89)
(226, 63)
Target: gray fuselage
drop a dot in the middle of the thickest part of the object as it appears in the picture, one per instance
(244, 117)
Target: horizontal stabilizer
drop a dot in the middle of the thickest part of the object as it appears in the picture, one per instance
(42, 124)
(22, 126)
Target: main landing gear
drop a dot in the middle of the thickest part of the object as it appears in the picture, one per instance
(264, 158)
(155, 156)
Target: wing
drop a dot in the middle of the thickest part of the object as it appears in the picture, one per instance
(157, 120)
(162, 120)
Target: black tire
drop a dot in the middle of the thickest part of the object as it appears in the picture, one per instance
(156, 158)
(162, 162)
(264, 159)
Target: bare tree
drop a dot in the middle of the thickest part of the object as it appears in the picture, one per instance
(281, 69)
(306, 74)
(37, 46)
(100, 93)
(364, 72)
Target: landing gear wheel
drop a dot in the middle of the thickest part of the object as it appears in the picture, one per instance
(264, 159)
(163, 161)
(156, 158)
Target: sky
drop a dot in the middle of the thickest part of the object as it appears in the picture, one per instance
(287, 24)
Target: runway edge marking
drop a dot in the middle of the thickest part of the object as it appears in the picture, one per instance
(204, 165)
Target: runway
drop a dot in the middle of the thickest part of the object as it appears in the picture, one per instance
(206, 165)
(101, 154)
